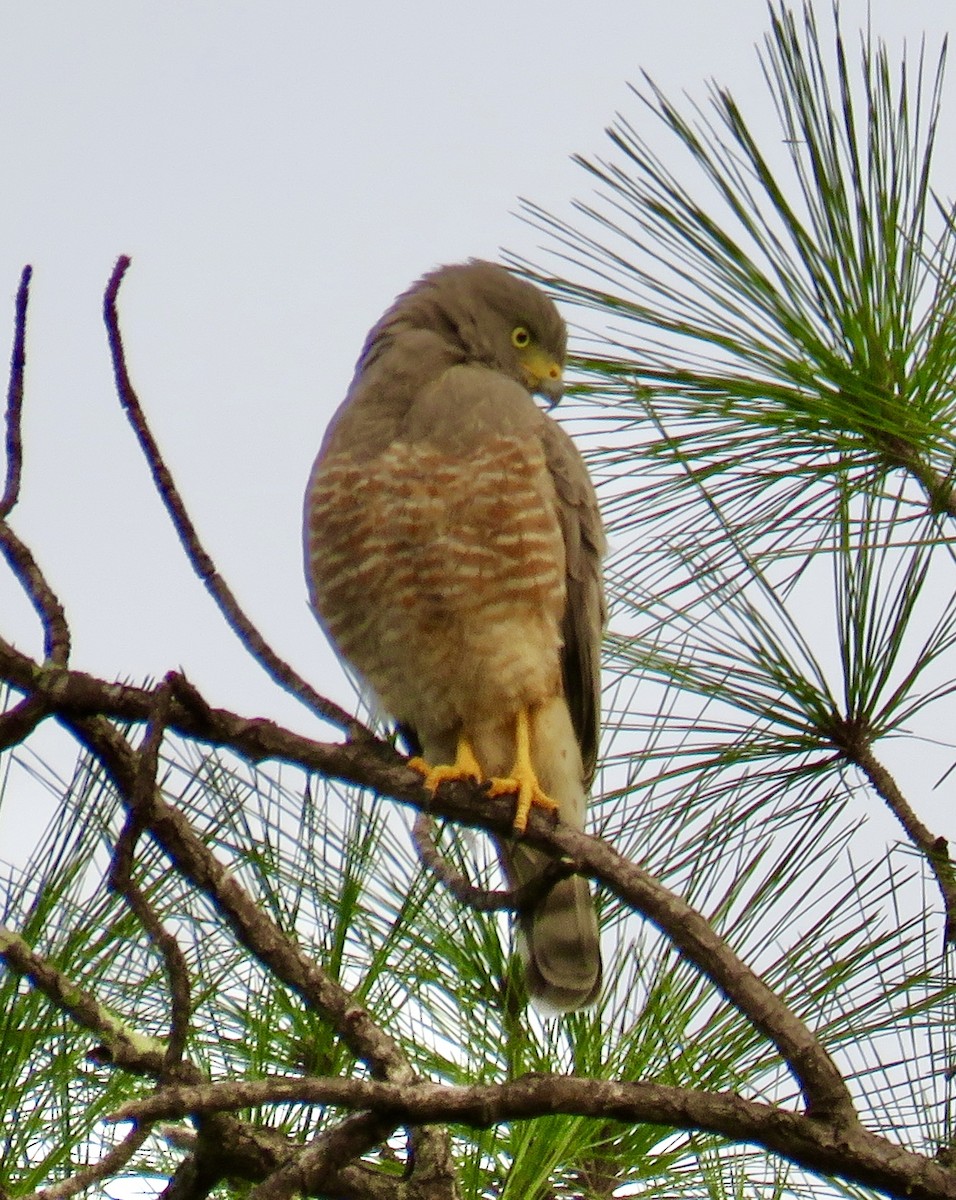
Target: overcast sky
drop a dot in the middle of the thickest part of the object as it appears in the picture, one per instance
(278, 172)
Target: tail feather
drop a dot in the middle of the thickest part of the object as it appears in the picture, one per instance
(561, 942)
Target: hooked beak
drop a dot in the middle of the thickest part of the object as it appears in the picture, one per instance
(543, 375)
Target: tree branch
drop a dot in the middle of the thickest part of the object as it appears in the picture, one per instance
(315, 1164)
(853, 743)
(74, 695)
(121, 880)
(251, 925)
(110, 1164)
(851, 1153)
(281, 671)
(13, 422)
(17, 554)
(19, 722)
(253, 928)
(56, 632)
(133, 1051)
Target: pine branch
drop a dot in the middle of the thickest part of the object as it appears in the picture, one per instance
(851, 1153)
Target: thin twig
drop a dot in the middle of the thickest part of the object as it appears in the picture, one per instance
(22, 719)
(20, 559)
(852, 740)
(13, 438)
(110, 1164)
(281, 671)
(46, 604)
(935, 849)
(133, 1051)
(521, 899)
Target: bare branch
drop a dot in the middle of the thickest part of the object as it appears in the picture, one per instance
(315, 1164)
(284, 674)
(142, 1055)
(849, 1152)
(17, 554)
(378, 766)
(56, 632)
(934, 848)
(13, 439)
(110, 1164)
(121, 880)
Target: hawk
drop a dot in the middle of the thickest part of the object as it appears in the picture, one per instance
(453, 550)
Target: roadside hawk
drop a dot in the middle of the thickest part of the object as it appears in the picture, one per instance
(453, 550)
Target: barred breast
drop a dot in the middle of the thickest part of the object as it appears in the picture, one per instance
(441, 579)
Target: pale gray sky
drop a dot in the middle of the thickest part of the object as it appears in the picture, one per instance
(277, 171)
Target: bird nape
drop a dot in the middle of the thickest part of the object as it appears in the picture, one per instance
(453, 548)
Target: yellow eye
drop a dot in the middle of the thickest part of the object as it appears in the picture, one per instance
(520, 337)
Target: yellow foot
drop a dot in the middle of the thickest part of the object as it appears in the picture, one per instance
(465, 766)
(522, 779)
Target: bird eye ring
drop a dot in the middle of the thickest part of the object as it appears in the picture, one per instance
(520, 337)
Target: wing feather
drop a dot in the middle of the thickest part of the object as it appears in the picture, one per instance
(586, 611)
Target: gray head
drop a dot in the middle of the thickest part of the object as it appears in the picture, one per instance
(483, 314)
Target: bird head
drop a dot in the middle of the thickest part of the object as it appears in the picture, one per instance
(493, 318)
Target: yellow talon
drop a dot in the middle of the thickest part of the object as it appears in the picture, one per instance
(522, 779)
(465, 766)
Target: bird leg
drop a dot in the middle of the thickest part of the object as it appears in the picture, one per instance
(522, 778)
(465, 766)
